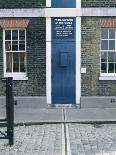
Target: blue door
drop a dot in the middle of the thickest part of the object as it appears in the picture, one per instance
(63, 73)
(63, 60)
(63, 3)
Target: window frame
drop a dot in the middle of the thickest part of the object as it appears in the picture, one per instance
(104, 75)
(15, 75)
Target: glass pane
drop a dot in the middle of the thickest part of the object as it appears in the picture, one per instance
(104, 57)
(15, 62)
(111, 34)
(14, 34)
(115, 68)
(15, 46)
(104, 44)
(8, 62)
(7, 34)
(115, 57)
(7, 45)
(111, 56)
(111, 44)
(111, 68)
(104, 34)
(103, 67)
(21, 34)
(22, 67)
(22, 62)
(22, 46)
(22, 57)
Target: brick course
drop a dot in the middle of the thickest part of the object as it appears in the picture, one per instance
(36, 61)
(10, 4)
(98, 3)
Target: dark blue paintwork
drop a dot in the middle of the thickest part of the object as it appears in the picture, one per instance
(63, 77)
(63, 68)
(64, 3)
(64, 59)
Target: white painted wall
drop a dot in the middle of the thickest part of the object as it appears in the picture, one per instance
(48, 3)
(78, 59)
(78, 3)
(48, 60)
(58, 12)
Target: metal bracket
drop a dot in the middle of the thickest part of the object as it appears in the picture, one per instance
(4, 135)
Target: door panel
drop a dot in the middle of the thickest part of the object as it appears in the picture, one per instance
(63, 73)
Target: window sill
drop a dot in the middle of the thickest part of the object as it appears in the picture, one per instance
(17, 77)
(107, 78)
(20, 78)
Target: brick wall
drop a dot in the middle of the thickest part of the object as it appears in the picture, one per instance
(90, 58)
(36, 61)
(98, 3)
(21, 3)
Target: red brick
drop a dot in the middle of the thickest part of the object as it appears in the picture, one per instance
(14, 23)
(108, 23)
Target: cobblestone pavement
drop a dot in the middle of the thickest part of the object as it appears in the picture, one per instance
(34, 140)
(92, 140)
(82, 139)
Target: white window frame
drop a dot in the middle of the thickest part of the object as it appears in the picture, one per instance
(107, 76)
(15, 75)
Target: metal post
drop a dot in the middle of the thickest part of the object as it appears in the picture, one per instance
(10, 110)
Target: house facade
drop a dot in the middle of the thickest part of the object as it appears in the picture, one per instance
(59, 52)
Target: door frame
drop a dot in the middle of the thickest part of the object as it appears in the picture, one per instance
(78, 52)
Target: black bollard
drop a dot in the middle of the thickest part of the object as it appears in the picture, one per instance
(10, 110)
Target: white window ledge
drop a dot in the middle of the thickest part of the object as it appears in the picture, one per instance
(19, 76)
(107, 78)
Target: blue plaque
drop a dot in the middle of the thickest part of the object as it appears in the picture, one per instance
(63, 28)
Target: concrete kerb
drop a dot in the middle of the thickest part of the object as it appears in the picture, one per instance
(60, 122)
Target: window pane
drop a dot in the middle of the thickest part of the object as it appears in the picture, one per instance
(7, 34)
(104, 44)
(111, 34)
(115, 68)
(115, 57)
(22, 46)
(103, 67)
(21, 34)
(7, 45)
(22, 62)
(8, 62)
(14, 34)
(104, 57)
(111, 56)
(15, 62)
(15, 46)
(104, 34)
(111, 44)
(111, 68)
(22, 67)
(22, 57)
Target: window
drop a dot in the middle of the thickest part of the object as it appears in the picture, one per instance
(108, 52)
(14, 53)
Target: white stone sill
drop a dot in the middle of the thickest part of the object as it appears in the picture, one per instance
(107, 78)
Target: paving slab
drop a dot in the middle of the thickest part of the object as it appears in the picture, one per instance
(55, 115)
(90, 114)
(38, 115)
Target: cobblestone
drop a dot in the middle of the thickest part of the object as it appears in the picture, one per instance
(92, 140)
(84, 139)
(34, 140)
